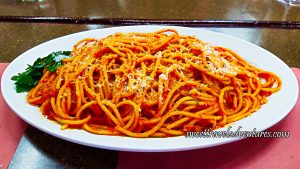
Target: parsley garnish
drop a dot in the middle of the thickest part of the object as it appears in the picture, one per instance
(30, 77)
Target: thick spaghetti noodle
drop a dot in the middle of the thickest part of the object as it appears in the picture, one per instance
(156, 84)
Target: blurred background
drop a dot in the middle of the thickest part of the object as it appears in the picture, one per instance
(271, 10)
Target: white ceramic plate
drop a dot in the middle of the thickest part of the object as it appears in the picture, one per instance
(278, 106)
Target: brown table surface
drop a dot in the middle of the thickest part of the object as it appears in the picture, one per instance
(270, 10)
(46, 151)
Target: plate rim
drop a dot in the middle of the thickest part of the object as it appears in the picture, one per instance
(162, 149)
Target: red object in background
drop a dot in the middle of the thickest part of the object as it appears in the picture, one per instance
(275, 153)
(11, 129)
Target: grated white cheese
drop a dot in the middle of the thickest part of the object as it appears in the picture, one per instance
(207, 49)
(134, 87)
(196, 44)
(163, 77)
(143, 83)
(262, 80)
(223, 66)
(197, 61)
(148, 78)
(158, 54)
(58, 58)
(129, 76)
(181, 41)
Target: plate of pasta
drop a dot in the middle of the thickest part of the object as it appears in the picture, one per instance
(149, 88)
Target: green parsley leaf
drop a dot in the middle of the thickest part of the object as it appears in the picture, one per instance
(30, 77)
